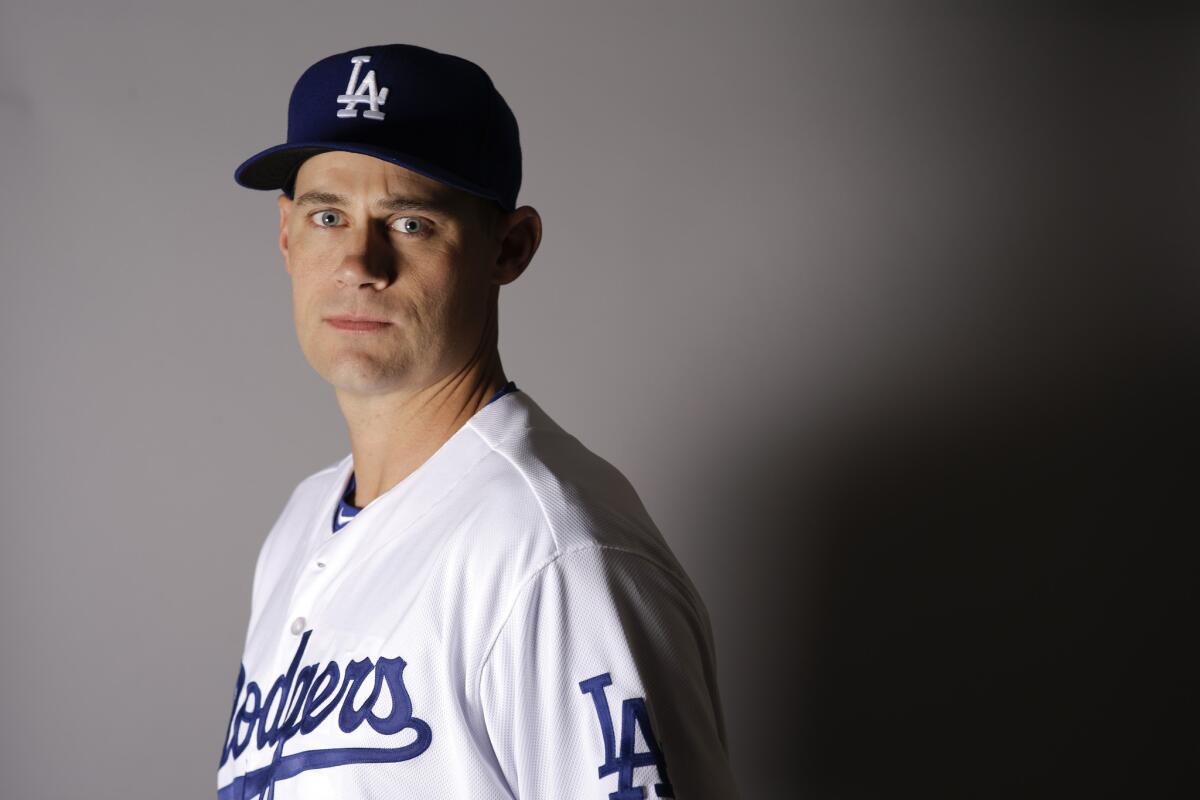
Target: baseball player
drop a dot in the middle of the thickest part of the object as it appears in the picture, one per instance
(471, 604)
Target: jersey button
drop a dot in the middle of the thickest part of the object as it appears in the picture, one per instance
(298, 625)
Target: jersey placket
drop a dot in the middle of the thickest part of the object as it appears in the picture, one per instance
(315, 580)
(322, 568)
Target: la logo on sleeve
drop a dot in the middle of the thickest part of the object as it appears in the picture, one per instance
(633, 716)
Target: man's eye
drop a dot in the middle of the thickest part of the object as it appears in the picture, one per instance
(327, 219)
(410, 225)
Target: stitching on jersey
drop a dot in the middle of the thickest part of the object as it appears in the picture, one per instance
(261, 558)
(433, 504)
(684, 593)
(525, 476)
(386, 541)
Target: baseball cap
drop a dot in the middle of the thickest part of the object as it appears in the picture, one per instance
(436, 114)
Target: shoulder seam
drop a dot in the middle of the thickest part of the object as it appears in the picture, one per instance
(525, 476)
(683, 590)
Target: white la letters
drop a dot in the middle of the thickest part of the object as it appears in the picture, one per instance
(366, 92)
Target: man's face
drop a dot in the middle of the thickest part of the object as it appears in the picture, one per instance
(392, 274)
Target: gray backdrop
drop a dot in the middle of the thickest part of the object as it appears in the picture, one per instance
(876, 305)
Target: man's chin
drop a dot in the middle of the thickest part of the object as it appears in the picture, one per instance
(364, 377)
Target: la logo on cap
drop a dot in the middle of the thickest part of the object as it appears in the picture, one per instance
(367, 92)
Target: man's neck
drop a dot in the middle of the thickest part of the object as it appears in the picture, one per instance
(391, 435)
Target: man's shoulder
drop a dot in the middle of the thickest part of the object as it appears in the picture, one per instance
(580, 498)
(542, 503)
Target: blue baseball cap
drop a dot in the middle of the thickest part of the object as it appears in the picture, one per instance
(436, 114)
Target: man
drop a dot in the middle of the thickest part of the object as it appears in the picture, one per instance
(470, 604)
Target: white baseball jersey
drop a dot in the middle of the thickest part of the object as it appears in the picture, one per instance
(505, 622)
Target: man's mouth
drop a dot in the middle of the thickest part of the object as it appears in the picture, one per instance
(357, 323)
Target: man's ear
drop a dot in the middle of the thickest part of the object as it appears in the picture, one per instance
(285, 212)
(520, 235)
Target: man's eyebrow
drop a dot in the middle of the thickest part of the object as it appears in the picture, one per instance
(399, 202)
(320, 199)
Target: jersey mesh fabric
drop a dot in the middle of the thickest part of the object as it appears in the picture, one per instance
(503, 577)
(347, 511)
(566, 622)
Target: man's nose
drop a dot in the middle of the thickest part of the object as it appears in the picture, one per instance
(369, 258)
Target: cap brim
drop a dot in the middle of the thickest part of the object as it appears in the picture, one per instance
(275, 167)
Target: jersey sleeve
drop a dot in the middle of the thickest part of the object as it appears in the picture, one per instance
(602, 684)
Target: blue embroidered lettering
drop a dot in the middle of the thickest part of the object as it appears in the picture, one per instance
(311, 720)
(633, 715)
(299, 701)
(268, 732)
(247, 716)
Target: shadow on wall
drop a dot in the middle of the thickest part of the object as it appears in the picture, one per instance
(1005, 590)
(975, 576)
(980, 580)
(985, 596)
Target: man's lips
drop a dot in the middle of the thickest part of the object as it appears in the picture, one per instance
(357, 323)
